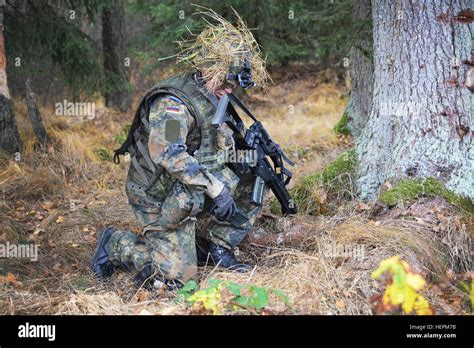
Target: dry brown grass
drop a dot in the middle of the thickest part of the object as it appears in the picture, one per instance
(294, 258)
(290, 254)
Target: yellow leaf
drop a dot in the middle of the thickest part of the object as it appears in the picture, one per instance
(210, 299)
(384, 266)
(60, 219)
(404, 287)
(408, 300)
(48, 205)
(395, 294)
(422, 306)
(415, 281)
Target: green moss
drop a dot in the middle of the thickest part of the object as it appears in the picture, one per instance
(335, 181)
(122, 136)
(408, 190)
(120, 139)
(81, 282)
(342, 126)
(103, 154)
(343, 164)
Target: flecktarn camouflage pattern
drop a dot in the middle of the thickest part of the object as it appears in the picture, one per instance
(170, 208)
(176, 165)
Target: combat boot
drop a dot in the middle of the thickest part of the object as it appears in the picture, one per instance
(101, 265)
(218, 255)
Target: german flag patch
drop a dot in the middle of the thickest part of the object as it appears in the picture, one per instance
(173, 110)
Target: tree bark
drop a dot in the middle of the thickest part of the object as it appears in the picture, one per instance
(421, 122)
(361, 70)
(113, 42)
(9, 136)
(35, 115)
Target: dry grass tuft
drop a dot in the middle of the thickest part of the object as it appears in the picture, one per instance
(303, 260)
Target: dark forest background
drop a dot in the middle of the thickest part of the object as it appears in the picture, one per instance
(59, 44)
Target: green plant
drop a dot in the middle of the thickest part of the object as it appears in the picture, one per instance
(122, 136)
(469, 290)
(402, 288)
(104, 154)
(341, 126)
(220, 296)
(332, 184)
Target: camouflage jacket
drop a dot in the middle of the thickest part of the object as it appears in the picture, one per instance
(167, 142)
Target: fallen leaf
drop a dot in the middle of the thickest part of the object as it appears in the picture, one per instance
(340, 304)
(48, 205)
(10, 279)
(60, 219)
(142, 296)
(363, 206)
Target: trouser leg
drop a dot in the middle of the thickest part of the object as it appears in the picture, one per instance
(126, 250)
(169, 238)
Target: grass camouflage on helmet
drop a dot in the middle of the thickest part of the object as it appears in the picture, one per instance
(224, 52)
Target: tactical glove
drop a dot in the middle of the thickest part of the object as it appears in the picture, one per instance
(224, 205)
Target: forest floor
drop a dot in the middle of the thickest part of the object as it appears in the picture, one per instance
(60, 197)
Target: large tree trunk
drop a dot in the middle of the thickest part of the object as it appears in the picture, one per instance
(361, 72)
(35, 115)
(113, 42)
(9, 137)
(421, 122)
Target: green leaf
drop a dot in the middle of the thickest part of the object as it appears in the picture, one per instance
(244, 301)
(190, 286)
(234, 288)
(260, 298)
(214, 282)
(187, 290)
(282, 296)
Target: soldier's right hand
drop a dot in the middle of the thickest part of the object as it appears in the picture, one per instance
(225, 205)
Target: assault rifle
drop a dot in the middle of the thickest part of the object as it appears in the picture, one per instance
(270, 169)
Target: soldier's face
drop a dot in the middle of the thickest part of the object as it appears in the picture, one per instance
(220, 92)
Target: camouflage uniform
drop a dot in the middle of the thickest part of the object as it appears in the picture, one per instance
(170, 208)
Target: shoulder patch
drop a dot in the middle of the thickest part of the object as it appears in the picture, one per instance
(172, 128)
(173, 110)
